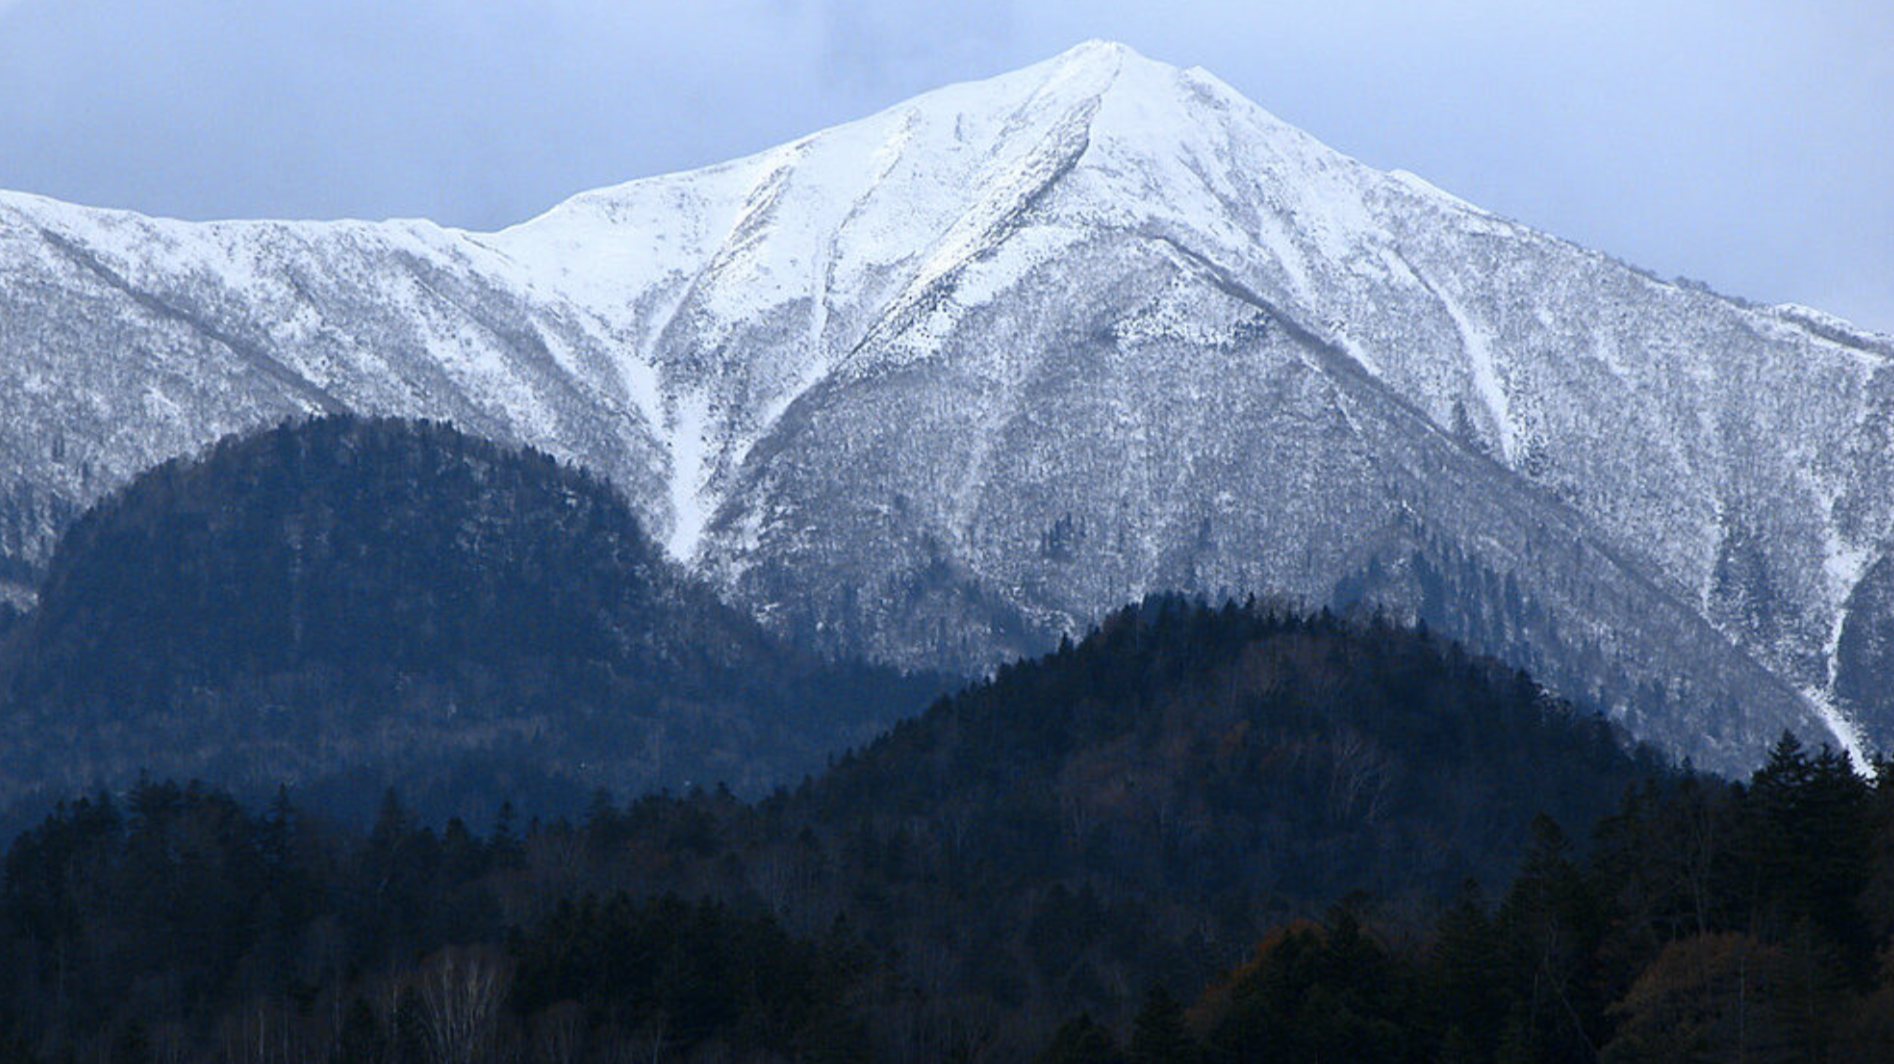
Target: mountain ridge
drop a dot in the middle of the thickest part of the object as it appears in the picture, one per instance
(1043, 284)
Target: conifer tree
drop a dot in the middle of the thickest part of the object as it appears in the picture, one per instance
(1158, 1034)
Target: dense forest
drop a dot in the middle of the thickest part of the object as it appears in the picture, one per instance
(1200, 834)
(344, 602)
(1203, 833)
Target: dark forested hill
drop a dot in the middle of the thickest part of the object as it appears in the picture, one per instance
(398, 599)
(1256, 749)
(1131, 813)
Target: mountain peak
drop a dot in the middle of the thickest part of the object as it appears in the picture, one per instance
(1098, 51)
(941, 382)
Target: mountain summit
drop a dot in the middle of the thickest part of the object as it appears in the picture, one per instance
(942, 383)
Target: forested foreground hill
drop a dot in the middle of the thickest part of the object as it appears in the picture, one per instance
(1200, 834)
(362, 600)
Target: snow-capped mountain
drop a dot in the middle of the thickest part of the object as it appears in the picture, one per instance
(941, 383)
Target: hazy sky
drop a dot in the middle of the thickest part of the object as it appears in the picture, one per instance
(1748, 144)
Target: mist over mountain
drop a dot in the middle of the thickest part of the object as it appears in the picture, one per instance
(941, 384)
(384, 601)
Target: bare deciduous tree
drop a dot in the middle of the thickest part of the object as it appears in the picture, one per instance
(462, 988)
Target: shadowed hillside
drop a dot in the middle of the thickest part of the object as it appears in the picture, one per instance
(392, 598)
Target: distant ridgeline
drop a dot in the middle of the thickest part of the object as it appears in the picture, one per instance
(363, 601)
(1031, 868)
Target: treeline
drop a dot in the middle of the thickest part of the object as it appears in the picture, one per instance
(1705, 921)
(1708, 921)
(1128, 815)
(175, 926)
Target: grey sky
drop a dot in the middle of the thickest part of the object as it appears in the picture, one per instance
(1749, 144)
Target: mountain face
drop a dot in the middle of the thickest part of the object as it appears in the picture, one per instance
(940, 384)
(341, 597)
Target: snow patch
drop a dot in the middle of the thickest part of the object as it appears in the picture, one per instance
(1847, 735)
(1810, 316)
(1844, 566)
(689, 447)
(1432, 191)
(1486, 382)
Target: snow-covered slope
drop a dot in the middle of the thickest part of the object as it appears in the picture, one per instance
(945, 381)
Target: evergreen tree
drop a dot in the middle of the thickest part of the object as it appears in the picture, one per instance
(1081, 1040)
(1158, 1034)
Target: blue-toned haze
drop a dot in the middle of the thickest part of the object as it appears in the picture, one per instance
(1748, 144)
